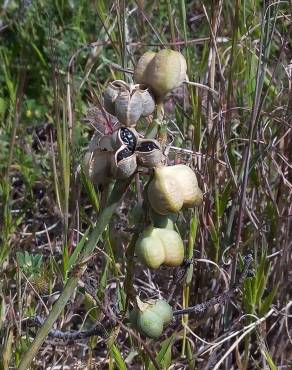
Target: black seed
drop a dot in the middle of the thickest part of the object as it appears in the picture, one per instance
(147, 146)
(128, 138)
(125, 153)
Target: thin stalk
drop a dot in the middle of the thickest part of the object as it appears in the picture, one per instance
(101, 223)
(189, 276)
(171, 22)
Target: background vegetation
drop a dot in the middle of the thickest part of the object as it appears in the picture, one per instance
(56, 57)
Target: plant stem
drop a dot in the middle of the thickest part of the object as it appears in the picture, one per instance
(101, 223)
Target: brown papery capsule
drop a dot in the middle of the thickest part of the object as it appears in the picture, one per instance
(148, 102)
(149, 153)
(111, 93)
(96, 166)
(123, 164)
(128, 107)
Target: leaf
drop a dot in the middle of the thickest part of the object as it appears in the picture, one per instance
(118, 358)
(20, 258)
(73, 258)
(164, 355)
(267, 301)
(270, 360)
(90, 191)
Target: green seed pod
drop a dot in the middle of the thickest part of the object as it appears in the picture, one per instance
(164, 310)
(150, 317)
(150, 324)
(193, 195)
(173, 246)
(140, 69)
(149, 249)
(160, 246)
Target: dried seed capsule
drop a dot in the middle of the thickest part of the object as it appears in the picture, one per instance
(105, 143)
(96, 166)
(149, 153)
(128, 107)
(123, 163)
(148, 102)
(110, 95)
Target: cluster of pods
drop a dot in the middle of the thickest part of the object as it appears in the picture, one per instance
(117, 156)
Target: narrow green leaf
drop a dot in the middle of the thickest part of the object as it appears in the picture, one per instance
(118, 358)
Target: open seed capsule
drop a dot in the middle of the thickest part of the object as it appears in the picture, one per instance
(149, 153)
(148, 102)
(125, 136)
(111, 93)
(123, 164)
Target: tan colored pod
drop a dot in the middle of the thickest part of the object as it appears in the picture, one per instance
(167, 71)
(148, 102)
(105, 143)
(123, 163)
(149, 153)
(172, 188)
(187, 178)
(141, 66)
(164, 193)
(96, 166)
(110, 95)
(128, 107)
(173, 246)
(162, 72)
